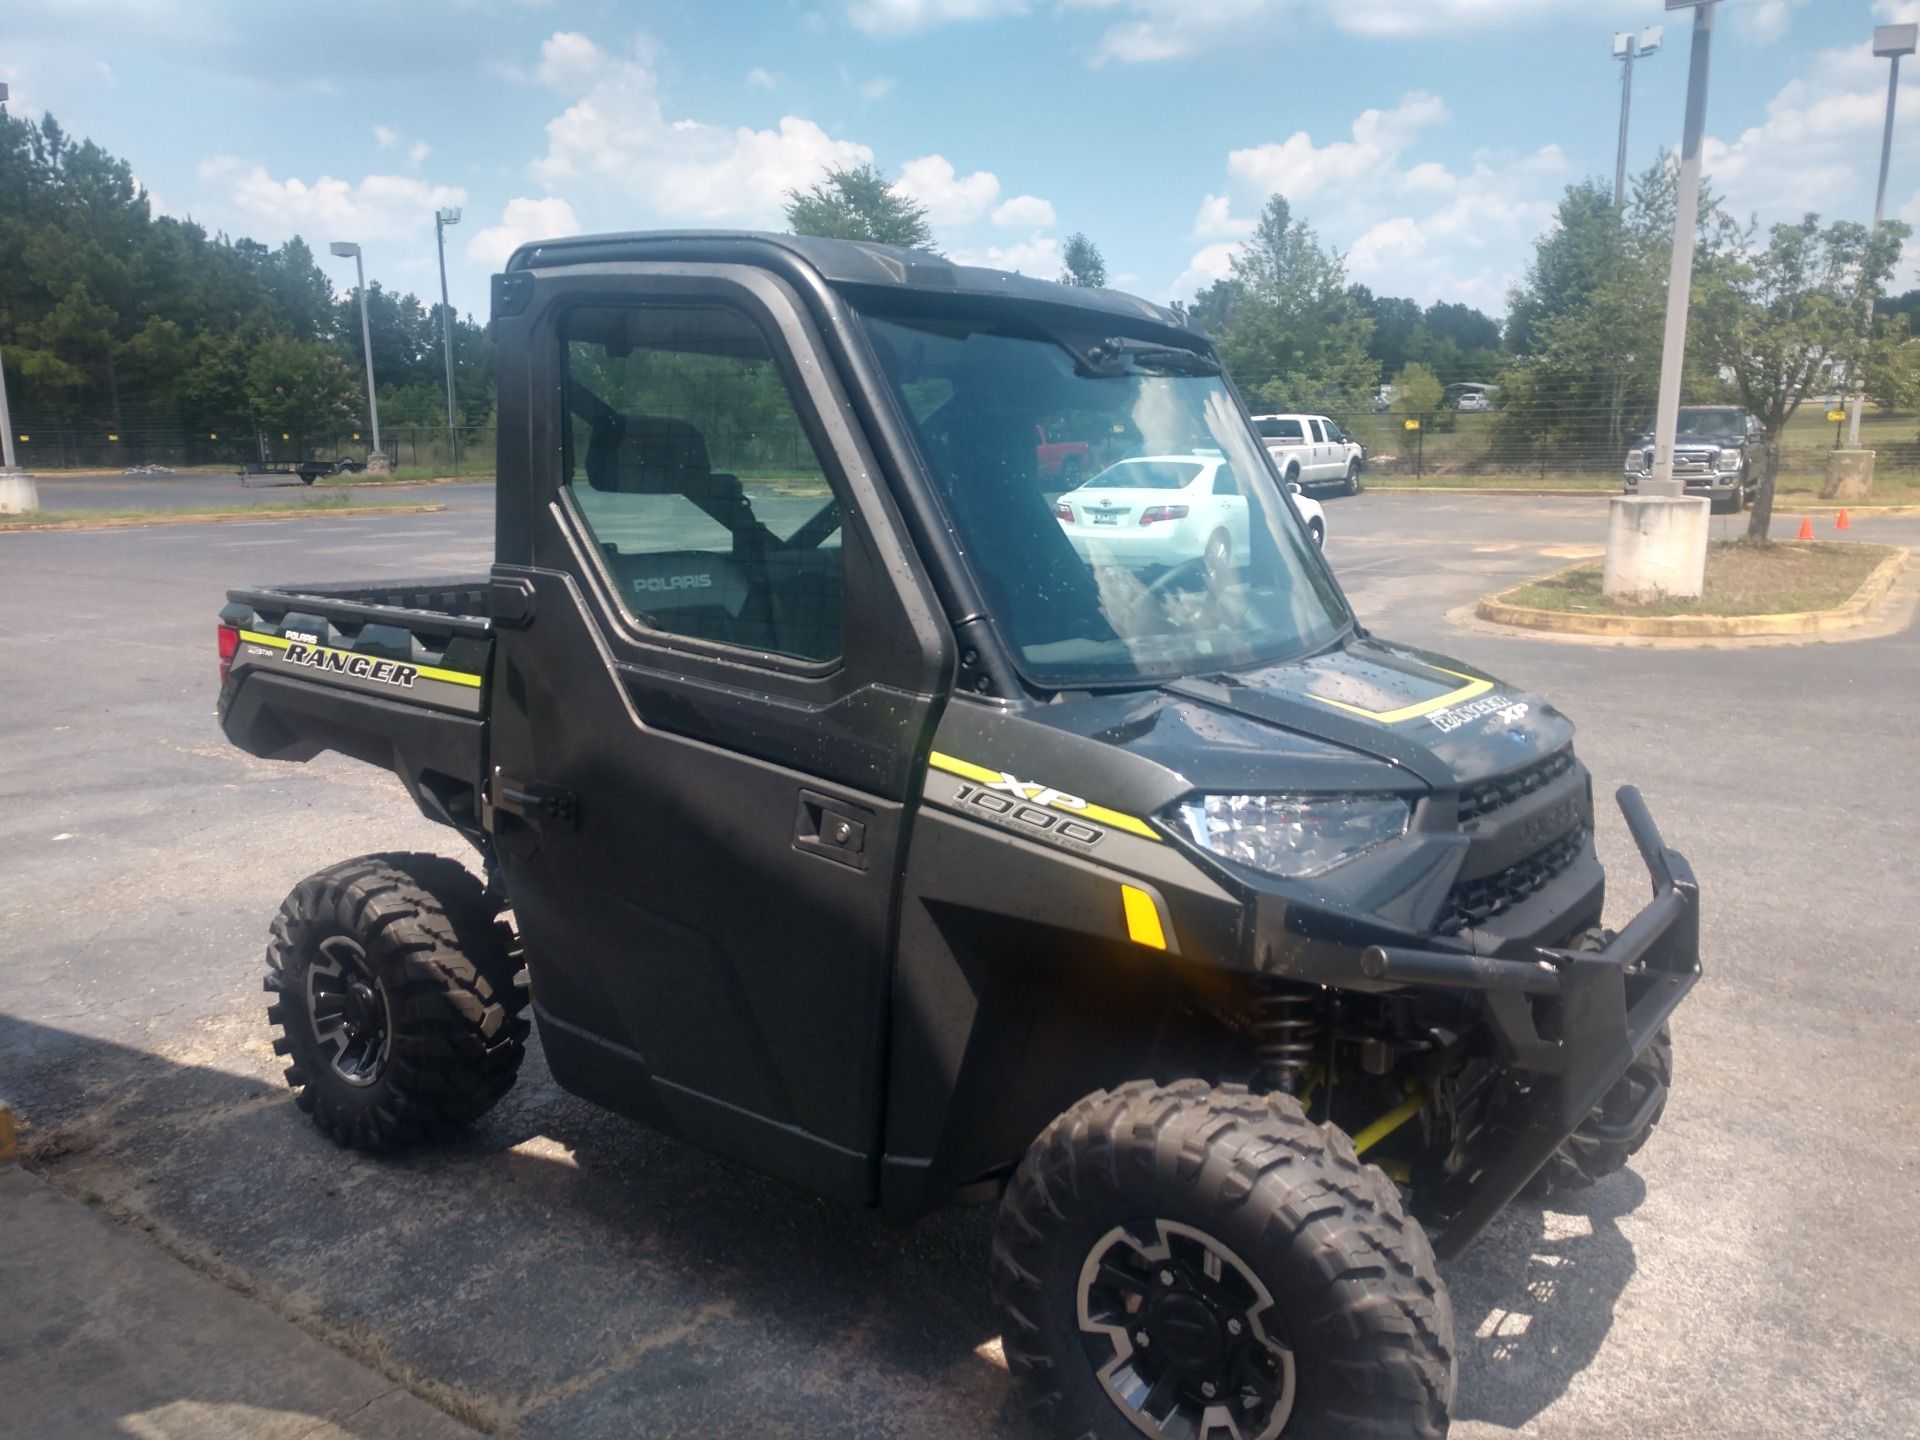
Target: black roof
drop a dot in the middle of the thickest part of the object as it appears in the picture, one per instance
(838, 262)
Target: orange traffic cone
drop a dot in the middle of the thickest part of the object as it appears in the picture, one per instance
(1841, 522)
(1806, 529)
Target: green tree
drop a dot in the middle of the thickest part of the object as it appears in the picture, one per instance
(300, 388)
(1891, 374)
(1787, 318)
(1288, 328)
(856, 203)
(1081, 263)
(1416, 389)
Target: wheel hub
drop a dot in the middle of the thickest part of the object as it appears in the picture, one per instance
(348, 1011)
(1183, 1335)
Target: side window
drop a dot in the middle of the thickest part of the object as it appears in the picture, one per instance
(703, 493)
(1225, 482)
(1319, 431)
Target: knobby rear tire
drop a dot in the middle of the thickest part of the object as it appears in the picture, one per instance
(1352, 1277)
(437, 955)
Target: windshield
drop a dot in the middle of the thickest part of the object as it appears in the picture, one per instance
(1145, 475)
(1707, 422)
(1088, 583)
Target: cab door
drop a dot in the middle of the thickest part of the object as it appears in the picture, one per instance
(717, 676)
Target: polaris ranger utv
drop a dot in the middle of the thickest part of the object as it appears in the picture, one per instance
(847, 810)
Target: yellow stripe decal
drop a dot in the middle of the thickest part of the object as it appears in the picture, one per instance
(1041, 795)
(1143, 918)
(1468, 691)
(427, 672)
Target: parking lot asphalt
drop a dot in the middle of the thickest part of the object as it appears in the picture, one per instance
(560, 1272)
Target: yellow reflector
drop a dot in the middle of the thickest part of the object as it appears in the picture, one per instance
(1143, 918)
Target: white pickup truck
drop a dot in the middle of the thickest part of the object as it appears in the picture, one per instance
(1312, 452)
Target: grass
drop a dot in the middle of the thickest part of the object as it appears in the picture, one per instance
(104, 518)
(401, 474)
(1742, 579)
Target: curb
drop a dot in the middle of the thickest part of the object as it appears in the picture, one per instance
(1697, 627)
(227, 517)
(1780, 512)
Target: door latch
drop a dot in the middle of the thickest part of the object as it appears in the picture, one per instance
(532, 801)
(831, 829)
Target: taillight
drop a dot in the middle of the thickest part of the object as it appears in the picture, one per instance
(229, 647)
(1063, 511)
(1155, 513)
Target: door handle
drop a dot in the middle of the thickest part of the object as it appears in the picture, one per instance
(532, 801)
(831, 829)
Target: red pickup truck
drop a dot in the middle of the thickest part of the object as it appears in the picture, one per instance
(1064, 459)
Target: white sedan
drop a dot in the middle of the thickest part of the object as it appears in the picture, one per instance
(1163, 510)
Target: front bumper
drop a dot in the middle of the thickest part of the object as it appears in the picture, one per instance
(1570, 1022)
(1720, 483)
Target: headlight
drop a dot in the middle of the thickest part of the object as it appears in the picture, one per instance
(1293, 835)
(1636, 462)
(1729, 461)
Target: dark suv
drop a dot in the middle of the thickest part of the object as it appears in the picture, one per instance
(1719, 451)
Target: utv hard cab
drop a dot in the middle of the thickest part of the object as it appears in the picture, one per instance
(839, 814)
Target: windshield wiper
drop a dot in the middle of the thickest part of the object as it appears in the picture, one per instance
(1117, 356)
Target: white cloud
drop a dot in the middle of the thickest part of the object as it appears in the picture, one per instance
(878, 88)
(1173, 29)
(1209, 263)
(903, 17)
(762, 79)
(1297, 168)
(1025, 212)
(1409, 226)
(385, 136)
(615, 137)
(1216, 221)
(1766, 21)
(1819, 146)
(379, 207)
(105, 71)
(1037, 256)
(524, 219)
(418, 151)
(950, 198)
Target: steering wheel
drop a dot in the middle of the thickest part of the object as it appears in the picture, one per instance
(1181, 578)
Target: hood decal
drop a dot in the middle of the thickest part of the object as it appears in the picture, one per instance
(1459, 695)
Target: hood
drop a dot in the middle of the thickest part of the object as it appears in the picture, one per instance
(1368, 716)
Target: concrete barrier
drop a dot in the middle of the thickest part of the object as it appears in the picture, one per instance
(18, 494)
(1656, 549)
(1849, 475)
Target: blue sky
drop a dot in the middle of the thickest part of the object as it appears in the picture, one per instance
(1429, 139)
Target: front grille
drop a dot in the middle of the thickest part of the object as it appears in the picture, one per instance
(1474, 902)
(1491, 795)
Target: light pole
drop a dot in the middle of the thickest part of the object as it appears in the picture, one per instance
(441, 219)
(18, 494)
(1626, 50)
(1657, 539)
(344, 249)
(1673, 346)
(1891, 41)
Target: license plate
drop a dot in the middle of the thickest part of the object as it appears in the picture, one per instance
(1099, 519)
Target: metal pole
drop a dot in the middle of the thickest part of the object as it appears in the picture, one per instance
(6, 426)
(366, 344)
(1626, 106)
(1879, 213)
(446, 334)
(1673, 348)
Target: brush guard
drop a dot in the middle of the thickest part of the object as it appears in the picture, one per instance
(1598, 1010)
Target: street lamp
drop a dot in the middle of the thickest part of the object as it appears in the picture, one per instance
(450, 215)
(1626, 50)
(1890, 41)
(1657, 540)
(18, 494)
(345, 249)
